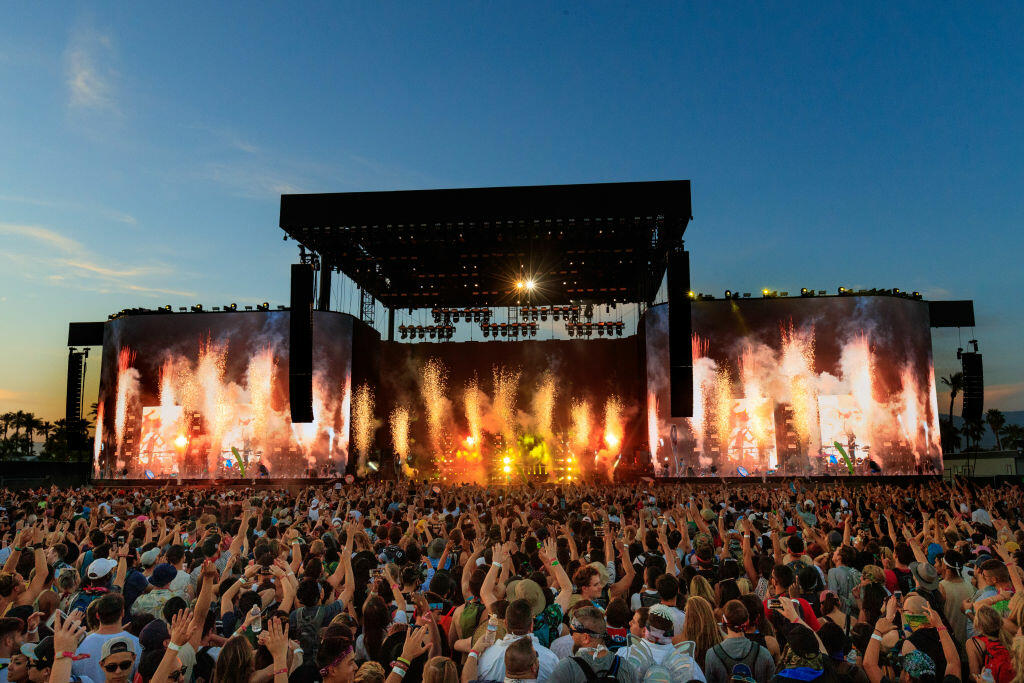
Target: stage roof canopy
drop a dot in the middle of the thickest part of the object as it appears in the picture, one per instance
(598, 243)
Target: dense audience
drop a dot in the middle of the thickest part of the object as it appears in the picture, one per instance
(390, 582)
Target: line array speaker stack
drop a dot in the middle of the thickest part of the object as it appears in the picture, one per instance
(300, 345)
(974, 386)
(680, 352)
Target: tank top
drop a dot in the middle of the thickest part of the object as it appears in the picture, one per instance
(956, 592)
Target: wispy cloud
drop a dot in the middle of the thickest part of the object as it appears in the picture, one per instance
(253, 181)
(112, 214)
(1005, 394)
(45, 255)
(41, 234)
(89, 70)
(8, 395)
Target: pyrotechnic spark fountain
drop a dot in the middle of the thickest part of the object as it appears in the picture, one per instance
(722, 399)
(98, 437)
(216, 409)
(432, 388)
(506, 386)
(260, 378)
(614, 429)
(127, 388)
(798, 367)
(362, 422)
(580, 433)
(856, 364)
(544, 404)
(400, 436)
(652, 428)
(759, 407)
(474, 413)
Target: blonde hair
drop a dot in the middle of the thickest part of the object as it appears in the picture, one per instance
(987, 622)
(700, 627)
(743, 583)
(699, 587)
(440, 670)
(370, 672)
(1017, 652)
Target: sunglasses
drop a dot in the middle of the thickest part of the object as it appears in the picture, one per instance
(177, 675)
(114, 666)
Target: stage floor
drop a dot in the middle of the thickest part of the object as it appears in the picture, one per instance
(900, 480)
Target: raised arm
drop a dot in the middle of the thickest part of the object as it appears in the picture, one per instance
(547, 556)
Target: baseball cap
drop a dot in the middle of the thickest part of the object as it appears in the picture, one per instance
(41, 652)
(100, 568)
(116, 645)
(153, 635)
(149, 557)
(163, 575)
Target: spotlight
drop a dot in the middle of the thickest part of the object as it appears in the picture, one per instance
(806, 292)
(916, 295)
(198, 308)
(842, 290)
(530, 284)
(728, 294)
(486, 332)
(692, 294)
(520, 284)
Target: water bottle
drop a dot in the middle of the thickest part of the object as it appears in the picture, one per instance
(257, 622)
(987, 677)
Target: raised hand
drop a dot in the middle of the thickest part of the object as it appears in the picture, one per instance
(181, 627)
(276, 639)
(67, 632)
(417, 641)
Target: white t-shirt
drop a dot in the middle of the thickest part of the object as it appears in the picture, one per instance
(491, 666)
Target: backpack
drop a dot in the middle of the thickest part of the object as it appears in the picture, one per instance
(997, 658)
(904, 581)
(677, 667)
(649, 599)
(470, 618)
(308, 622)
(84, 598)
(749, 658)
(607, 676)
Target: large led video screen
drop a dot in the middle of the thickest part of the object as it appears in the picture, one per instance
(801, 386)
(205, 395)
(505, 411)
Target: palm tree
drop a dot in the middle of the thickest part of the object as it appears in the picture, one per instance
(1014, 435)
(6, 420)
(32, 425)
(995, 419)
(45, 427)
(950, 437)
(974, 429)
(955, 382)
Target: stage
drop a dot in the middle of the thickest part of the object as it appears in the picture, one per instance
(290, 482)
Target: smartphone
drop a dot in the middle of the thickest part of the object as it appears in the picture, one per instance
(53, 617)
(899, 597)
(775, 604)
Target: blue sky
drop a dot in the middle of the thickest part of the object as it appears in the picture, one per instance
(145, 148)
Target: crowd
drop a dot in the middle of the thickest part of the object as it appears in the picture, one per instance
(389, 582)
